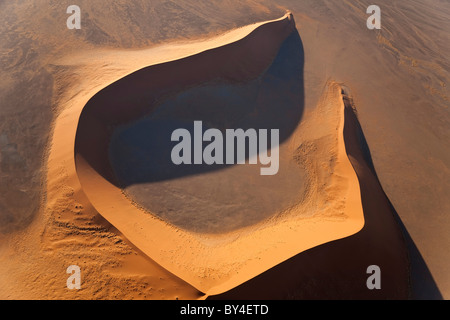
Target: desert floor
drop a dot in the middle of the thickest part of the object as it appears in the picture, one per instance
(52, 214)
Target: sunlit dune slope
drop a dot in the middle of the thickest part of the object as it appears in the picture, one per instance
(214, 263)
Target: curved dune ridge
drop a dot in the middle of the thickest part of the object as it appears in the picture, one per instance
(214, 263)
(329, 203)
(337, 269)
(215, 198)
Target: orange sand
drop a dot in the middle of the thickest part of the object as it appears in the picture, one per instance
(82, 217)
(216, 263)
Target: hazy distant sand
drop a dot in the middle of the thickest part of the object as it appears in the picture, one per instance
(62, 99)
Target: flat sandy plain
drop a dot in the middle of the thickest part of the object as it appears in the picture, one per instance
(365, 150)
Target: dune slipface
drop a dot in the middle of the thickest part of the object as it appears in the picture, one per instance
(337, 270)
(215, 198)
(310, 231)
(254, 82)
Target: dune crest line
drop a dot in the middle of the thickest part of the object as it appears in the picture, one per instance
(337, 269)
(216, 263)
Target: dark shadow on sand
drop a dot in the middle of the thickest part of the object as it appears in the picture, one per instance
(423, 285)
(337, 270)
(206, 198)
(140, 152)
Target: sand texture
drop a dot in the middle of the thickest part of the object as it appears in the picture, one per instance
(364, 161)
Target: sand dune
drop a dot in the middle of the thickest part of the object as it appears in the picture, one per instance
(72, 188)
(214, 263)
(333, 270)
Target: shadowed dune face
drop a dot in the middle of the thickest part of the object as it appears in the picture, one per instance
(124, 131)
(400, 78)
(256, 82)
(336, 270)
(215, 198)
(137, 94)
